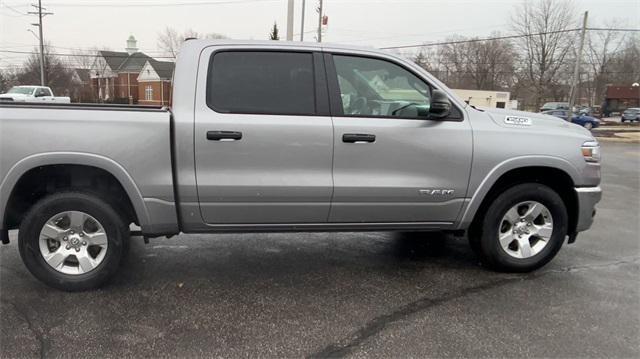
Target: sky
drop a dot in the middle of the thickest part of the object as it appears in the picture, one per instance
(107, 24)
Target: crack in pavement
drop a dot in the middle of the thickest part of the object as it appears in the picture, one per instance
(39, 336)
(378, 324)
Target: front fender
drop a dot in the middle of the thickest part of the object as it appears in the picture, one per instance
(73, 158)
(478, 195)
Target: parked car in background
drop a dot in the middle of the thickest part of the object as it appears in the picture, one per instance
(584, 109)
(581, 119)
(554, 106)
(32, 94)
(631, 114)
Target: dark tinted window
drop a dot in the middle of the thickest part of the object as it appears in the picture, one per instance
(261, 82)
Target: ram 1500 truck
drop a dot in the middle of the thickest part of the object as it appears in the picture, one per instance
(273, 136)
(33, 94)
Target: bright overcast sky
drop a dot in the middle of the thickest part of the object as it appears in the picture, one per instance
(108, 23)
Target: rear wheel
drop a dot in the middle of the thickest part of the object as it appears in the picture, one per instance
(73, 241)
(523, 229)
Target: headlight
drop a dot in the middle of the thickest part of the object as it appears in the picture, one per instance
(591, 151)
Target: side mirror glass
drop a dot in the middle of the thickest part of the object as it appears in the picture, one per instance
(440, 105)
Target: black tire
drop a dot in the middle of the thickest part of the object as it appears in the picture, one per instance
(116, 229)
(486, 241)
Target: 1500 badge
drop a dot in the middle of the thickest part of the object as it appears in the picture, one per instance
(517, 120)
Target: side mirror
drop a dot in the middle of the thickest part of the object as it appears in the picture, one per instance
(440, 105)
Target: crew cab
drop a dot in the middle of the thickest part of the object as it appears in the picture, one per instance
(277, 136)
(32, 94)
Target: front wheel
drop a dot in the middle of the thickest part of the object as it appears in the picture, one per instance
(588, 125)
(73, 241)
(523, 229)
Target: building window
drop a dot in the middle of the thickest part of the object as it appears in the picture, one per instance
(148, 93)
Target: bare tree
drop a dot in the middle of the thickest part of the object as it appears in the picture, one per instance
(545, 43)
(602, 47)
(474, 64)
(56, 72)
(7, 79)
(625, 67)
(169, 40)
(83, 59)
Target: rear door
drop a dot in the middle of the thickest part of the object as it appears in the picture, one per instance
(391, 163)
(263, 137)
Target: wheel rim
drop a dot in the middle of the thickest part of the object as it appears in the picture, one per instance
(588, 125)
(525, 229)
(73, 242)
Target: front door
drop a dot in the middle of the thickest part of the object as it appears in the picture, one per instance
(391, 163)
(263, 139)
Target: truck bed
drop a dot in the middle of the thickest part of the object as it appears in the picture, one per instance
(131, 142)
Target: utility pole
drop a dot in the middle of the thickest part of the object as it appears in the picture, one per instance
(290, 20)
(576, 70)
(302, 22)
(41, 38)
(320, 22)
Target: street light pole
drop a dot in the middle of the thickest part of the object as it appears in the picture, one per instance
(320, 22)
(41, 38)
(290, 20)
(576, 70)
(302, 22)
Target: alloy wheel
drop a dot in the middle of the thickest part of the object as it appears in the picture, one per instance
(73, 242)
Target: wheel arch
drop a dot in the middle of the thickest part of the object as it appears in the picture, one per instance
(554, 172)
(26, 165)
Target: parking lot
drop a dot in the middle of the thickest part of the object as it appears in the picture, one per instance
(345, 294)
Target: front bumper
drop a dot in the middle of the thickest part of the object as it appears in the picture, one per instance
(588, 197)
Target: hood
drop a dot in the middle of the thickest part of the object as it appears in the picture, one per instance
(14, 96)
(533, 121)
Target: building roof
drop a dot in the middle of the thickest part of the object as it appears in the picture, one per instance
(134, 62)
(83, 74)
(121, 61)
(164, 69)
(114, 58)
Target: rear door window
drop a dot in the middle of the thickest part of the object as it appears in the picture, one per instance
(262, 82)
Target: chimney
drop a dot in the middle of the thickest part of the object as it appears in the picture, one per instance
(131, 45)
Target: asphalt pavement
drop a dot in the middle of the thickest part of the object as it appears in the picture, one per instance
(345, 295)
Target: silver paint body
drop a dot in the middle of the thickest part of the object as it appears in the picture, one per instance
(292, 172)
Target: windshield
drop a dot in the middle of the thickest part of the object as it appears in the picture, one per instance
(21, 90)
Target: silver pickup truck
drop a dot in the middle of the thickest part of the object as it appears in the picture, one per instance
(275, 136)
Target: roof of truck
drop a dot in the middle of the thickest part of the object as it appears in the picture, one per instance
(279, 44)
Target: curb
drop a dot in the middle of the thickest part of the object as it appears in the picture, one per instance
(617, 139)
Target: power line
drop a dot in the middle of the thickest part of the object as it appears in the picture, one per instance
(80, 55)
(477, 40)
(503, 38)
(4, 5)
(154, 4)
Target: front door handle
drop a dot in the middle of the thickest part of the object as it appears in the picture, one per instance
(358, 138)
(224, 135)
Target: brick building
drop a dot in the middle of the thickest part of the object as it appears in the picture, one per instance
(154, 83)
(115, 76)
(620, 97)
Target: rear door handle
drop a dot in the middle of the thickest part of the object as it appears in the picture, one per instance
(358, 138)
(224, 135)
